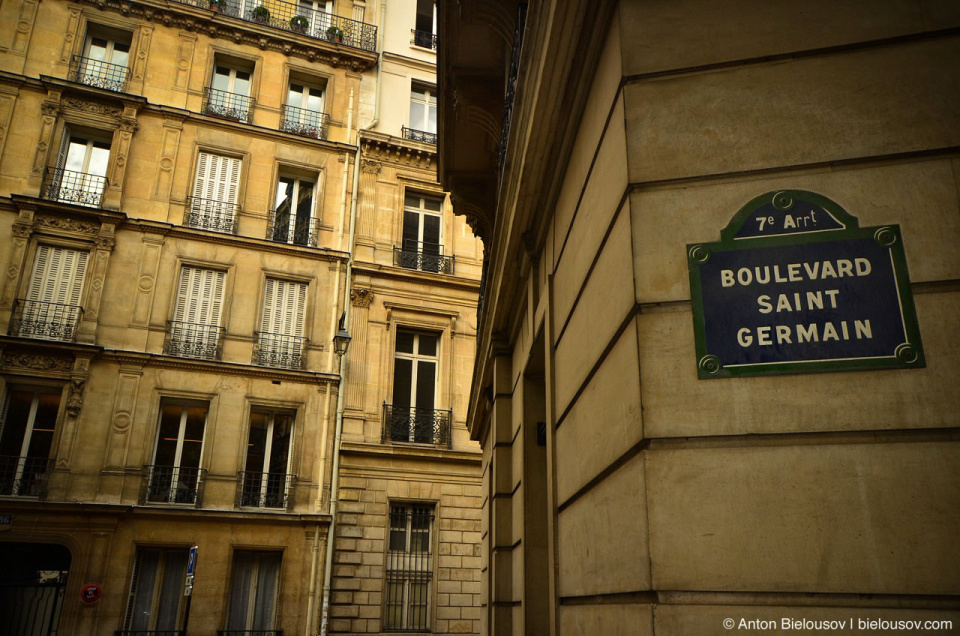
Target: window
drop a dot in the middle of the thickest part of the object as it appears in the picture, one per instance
(253, 592)
(409, 568)
(303, 111)
(420, 246)
(176, 476)
(266, 479)
(213, 205)
(280, 341)
(229, 92)
(195, 330)
(412, 416)
(80, 175)
(27, 421)
(52, 309)
(156, 591)
(106, 53)
(425, 29)
(292, 220)
(423, 115)
(319, 17)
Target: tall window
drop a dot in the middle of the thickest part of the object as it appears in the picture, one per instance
(293, 211)
(213, 205)
(423, 108)
(319, 15)
(80, 174)
(175, 476)
(420, 246)
(409, 568)
(229, 92)
(27, 421)
(156, 592)
(195, 330)
(106, 54)
(253, 591)
(413, 417)
(303, 111)
(425, 28)
(51, 309)
(266, 478)
(280, 341)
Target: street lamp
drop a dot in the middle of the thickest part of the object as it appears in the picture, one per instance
(342, 340)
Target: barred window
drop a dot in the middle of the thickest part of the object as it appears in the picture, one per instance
(409, 568)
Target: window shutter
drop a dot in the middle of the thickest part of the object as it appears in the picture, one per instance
(58, 275)
(217, 178)
(200, 296)
(284, 306)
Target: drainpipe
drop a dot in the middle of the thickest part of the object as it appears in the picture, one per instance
(348, 281)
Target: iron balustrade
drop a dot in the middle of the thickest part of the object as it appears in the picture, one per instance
(279, 350)
(86, 70)
(211, 214)
(264, 490)
(24, 476)
(249, 632)
(48, 321)
(281, 15)
(426, 39)
(278, 229)
(303, 122)
(416, 425)
(172, 485)
(419, 135)
(68, 186)
(426, 257)
(228, 105)
(193, 340)
(149, 632)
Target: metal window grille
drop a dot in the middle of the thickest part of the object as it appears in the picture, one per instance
(227, 105)
(172, 485)
(279, 350)
(425, 257)
(24, 476)
(278, 230)
(48, 321)
(409, 571)
(192, 340)
(419, 135)
(211, 214)
(263, 490)
(68, 186)
(417, 425)
(303, 122)
(426, 39)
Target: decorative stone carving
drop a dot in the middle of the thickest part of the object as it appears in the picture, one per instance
(94, 108)
(37, 362)
(75, 401)
(67, 224)
(361, 297)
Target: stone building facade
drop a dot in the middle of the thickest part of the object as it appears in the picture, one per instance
(589, 143)
(178, 190)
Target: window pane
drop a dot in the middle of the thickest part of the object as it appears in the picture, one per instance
(257, 443)
(428, 345)
(431, 232)
(429, 203)
(18, 413)
(193, 436)
(280, 449)
(148, 564)
(221, 78)
(43, 424)
(405, 342)
(171, 590)
(169, 434)
(295, 96)
(402, 377)
(411, 231)
(426, 371)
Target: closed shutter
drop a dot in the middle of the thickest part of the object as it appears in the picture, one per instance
(200, 296)
(217, 178)
(284, 305)
(58, 275)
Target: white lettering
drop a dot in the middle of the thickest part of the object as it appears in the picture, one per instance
(726, 278)
(863, 329)
(764, 302)
(783, 334)
(794, 272)
(744, 337)
(808, 334)
(863, 266)
(763, 336)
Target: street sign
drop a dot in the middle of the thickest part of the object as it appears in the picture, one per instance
(191, 569)
(795, 285)
(90, 593)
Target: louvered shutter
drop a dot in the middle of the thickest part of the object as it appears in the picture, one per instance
(200, 296)
(58, 275)
(217, 178)
(284, 304)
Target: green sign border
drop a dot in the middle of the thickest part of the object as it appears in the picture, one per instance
(908, 355)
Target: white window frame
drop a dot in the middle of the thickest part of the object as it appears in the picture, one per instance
(297, 183)
(426, 96)
(264, 470)
(29, 427)
(283, 315)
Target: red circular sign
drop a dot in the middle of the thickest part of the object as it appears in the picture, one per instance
(90, 593)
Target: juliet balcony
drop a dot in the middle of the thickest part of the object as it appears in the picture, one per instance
(172, 485)
(425, 39)
(24, 476)
(419, 135)
(67, 186)
(279, 229)
(45, 320)
(425, 257)
(98, 73)
(264, 490)
(305, 123)
(228, 105)
(211, 214)
(279, 350)
(416, 425)
(192, 340)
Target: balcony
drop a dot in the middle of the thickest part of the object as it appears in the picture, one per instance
(289, 16)
(278, 350)
(305, 123)
(419, 135)
(211, 214)
(249, 632)
(426, 39)
(172, 485)
(193, 340)
(228, 105)
(24, 476)
(425, 257)
(264, 490)
(47, 321)
(416, 425)
(149, 632)
(68, 186)
(99, 74)
(278, 229)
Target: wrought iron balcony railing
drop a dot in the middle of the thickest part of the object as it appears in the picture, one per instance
(193, 340)
(278, 229)
(283, 15)
(24, 476)
(172, 485)
(249, 632)
(48, 321)
(425, 257)
(419, 135)
(210, 214)
(417, 425)
(264, 490)
(68, 186)
(303, 122)
(228, 105)
(100, 74)
(426, 39)
(279, 350)
(149, 632)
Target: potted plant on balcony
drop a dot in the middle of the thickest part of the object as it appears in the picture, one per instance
(299, 23)
(217, 5)
(334, 34)
(261, 13)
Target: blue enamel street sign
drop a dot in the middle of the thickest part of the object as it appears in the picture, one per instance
(796, 286)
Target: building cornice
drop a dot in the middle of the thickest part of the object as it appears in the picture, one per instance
(375, 270)
(398, 151)
(217, 367)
